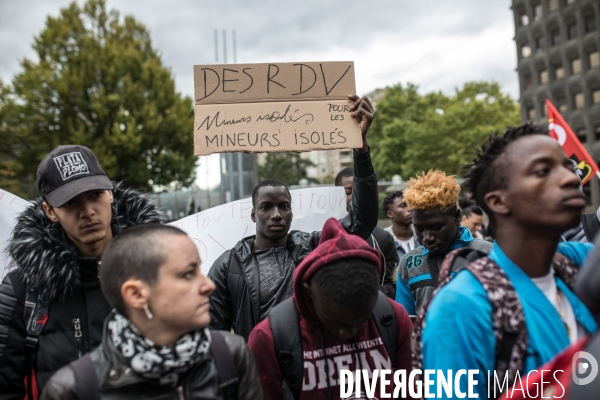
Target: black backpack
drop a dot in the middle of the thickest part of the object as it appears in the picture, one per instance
(284, 321)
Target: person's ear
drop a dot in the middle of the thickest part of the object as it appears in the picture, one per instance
(497, 202)
(135, 293)
(389, 214)
(253, 215)
(111, 197)
(457, 215)
(49, 212)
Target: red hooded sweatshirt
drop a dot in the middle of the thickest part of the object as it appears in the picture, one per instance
(339, 354)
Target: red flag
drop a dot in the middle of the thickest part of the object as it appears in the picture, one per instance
(562, 133)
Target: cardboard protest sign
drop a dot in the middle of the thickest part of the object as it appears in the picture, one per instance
(274, 107)
(219, 228)
(10, 207)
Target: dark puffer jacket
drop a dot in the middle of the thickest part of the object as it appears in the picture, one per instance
(117, 381)
(44, 256)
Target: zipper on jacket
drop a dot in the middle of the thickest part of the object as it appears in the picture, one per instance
(78, 337)
(180, 393)
(99, 265)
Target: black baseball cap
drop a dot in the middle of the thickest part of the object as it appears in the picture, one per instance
(67, 171)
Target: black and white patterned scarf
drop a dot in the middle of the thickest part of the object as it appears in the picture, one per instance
(153, 362)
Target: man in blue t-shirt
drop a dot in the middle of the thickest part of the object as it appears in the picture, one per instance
(526, 185)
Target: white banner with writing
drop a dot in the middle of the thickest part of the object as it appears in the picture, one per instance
(219, 228)
(216, 229)
(10, 207)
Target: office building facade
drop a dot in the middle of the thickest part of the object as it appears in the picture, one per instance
(558, 58)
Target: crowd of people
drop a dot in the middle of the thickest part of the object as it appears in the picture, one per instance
(105, 301)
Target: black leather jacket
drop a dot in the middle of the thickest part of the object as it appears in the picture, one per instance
(383, 242)
(117, 381)
(235, 302)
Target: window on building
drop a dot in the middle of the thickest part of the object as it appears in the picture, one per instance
(569, 2)
(543, 77)
(527, 81)
(578, 100)
(544, 108)
(590, 23)
(540, 43)
(555, 37)
(523, 18)
(537, 12)
(525, 51)
(594, 59)
(559, 72)
(581, 135)
(531, 113)
(597, 133)
(596, 96)
(575, 66)
(572, 30)
(562, 107)
(552, 5)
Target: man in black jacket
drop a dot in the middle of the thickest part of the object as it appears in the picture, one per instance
(380, 240)
(55, 247)
(256, 274)
(155, 343)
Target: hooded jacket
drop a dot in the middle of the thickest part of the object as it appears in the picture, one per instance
(117, 381)
(44, 257)
(364, 351)
(236, 301)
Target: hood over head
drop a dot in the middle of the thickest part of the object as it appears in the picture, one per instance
(47, 260)
(335, 244)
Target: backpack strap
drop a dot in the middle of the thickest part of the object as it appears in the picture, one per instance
(565, 270)
(284, 321)
(228, 377)
(35, 316)
(387, 325)
(508, 318)
(434, 269)
(87, 385)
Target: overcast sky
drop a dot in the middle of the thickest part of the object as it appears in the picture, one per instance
(438, 45)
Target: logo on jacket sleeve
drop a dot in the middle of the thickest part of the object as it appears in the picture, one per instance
(414, 261)
(71, 164)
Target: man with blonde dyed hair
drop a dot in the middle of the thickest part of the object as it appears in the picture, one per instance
(432, 199)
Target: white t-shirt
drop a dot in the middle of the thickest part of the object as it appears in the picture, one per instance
(547, 284)
(407, 245)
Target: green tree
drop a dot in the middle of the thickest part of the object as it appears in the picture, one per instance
(98, 83)
(413, 132)
(288, 168)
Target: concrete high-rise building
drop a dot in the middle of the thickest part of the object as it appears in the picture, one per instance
(558, 43)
